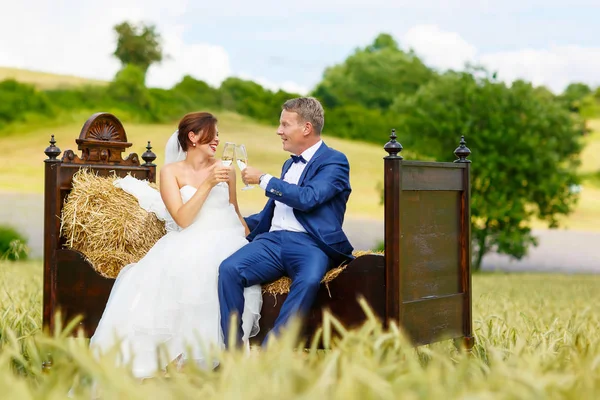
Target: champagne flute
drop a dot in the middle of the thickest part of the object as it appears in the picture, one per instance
(241, 156)
(228, 154)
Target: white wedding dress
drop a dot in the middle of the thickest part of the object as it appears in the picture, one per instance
(169, 298)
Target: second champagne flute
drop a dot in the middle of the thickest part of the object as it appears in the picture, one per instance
(228, 154)
(241, 156)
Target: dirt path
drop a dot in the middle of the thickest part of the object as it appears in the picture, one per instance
(558, 251)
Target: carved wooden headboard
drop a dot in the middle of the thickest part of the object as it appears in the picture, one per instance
(71, 285)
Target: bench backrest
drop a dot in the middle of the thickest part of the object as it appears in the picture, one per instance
(428, 245)
(71, 285)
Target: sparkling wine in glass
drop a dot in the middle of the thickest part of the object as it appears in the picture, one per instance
(228, 154)
(241, 155)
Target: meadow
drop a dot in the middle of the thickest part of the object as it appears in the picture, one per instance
(21, 165)
(537, 337)
(44, 80)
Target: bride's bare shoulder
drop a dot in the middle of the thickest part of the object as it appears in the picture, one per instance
(173, 167)
(171, 171)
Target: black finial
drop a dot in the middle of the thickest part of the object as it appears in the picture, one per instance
(462, 152)
(52, 151)
(148, 155)
(393, 147)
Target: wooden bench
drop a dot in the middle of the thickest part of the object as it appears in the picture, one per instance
(423, 282)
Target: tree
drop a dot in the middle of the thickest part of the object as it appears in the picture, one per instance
(574, 94)
(138, 45)
(525, 152)
(129, 90)
(247, 98)
(199, 92)
(373, 76)
(250, 98)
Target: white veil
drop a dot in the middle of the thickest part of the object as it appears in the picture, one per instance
(173, 150)
(149, 198)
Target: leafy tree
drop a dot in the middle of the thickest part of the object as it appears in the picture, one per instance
(589, 107)
(138, 45)
(574, 94)
(373, 77)
(360, 123)
(129, 91)
(199, 92)
(525, 151)
(251, 99)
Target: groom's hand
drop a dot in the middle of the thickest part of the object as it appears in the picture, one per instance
(250, 175)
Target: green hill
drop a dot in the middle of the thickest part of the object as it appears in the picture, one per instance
(45, 80)
(22, 167)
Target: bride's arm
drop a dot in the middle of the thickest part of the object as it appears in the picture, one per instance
(233, 199)
(184, 214)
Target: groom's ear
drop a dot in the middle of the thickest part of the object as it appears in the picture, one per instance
(307, 128)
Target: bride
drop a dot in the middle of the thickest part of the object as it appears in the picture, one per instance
(169, 298)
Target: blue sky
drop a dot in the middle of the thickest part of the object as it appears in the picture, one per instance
(289, 45)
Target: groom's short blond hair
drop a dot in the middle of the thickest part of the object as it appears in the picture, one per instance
(308, 109)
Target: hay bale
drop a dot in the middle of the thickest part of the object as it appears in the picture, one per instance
(283, 284)
(106, 224)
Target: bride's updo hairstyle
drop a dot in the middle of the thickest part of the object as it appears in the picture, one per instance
(197, 122)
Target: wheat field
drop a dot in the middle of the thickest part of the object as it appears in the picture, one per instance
(537, 337)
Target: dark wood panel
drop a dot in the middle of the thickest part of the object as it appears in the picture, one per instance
(434, 164)
(364, 276)
(80, 290)
(427, 211)
(431, 178)
(430, 320)
(430, 252)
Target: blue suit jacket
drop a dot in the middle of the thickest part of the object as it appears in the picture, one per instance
(318, 200)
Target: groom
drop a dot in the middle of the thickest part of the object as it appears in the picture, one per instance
(299, 232)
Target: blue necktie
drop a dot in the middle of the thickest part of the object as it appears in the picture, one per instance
(298, 159)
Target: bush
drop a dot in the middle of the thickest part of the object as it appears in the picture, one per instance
(13, 246)
(359, 123)
(198, 93)
(129, 91)
(17, 100)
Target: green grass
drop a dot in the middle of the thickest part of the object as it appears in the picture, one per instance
(21, 166)
(537, 337)
(45, 80)
(590, 156)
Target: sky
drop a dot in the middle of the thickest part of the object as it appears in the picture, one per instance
(289, 45)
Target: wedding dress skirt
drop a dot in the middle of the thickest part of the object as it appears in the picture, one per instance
(169, 298)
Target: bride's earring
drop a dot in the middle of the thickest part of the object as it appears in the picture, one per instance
(194, 144)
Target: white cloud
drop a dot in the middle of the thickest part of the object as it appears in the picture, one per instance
(77, 38)
(554, 67)
(201, 61)
(288, 86)
(446, 50)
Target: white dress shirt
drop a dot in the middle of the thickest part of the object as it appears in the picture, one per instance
(283, 217)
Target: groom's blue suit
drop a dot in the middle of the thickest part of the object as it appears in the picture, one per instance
(319, 203)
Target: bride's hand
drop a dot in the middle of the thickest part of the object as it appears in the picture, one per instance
(217, 173)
